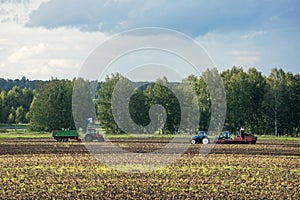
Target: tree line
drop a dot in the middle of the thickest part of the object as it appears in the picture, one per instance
(262, 104)
(15, 105)
(7, 84)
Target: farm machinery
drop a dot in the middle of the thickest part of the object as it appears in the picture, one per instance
(201, 137)
(243, 138)
(64, 135)
(225, 138)
(92, 134)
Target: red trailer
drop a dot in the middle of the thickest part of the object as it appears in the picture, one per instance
(246, 138)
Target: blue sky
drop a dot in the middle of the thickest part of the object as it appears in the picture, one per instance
(51, 38)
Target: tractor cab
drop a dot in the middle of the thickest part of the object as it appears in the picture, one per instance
(202, 133)
(91, 131)
(225, 135)
(92, 134)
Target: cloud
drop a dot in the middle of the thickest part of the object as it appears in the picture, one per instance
(39, 53)
(251, 35)
(44, 38)
(46, 71)
(263, 50)
(245, 57)
(18, 10)
(193, 17)
(60, 63)
(88, 15)
(3, 40)
(26, 52)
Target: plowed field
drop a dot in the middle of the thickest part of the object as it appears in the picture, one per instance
(35, 169)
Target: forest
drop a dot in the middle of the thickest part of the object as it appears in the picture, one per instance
(262, 104)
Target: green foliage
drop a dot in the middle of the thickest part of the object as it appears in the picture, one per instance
(20, 115)
(51, 107)
(11, 118)
(281, 109)
(5, 134)
(15, 105)
(244, 95)
(83, 105)
(3, 130)
(163, 95)
(139, 106)
(261, 104)
(203, 100)
(7, 84)
(103, 102)
(140, 103)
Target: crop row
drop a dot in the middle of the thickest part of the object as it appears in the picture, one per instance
(47, 147)
(217, 176)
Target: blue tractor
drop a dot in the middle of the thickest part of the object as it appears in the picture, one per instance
(225, 135)
(200, 138)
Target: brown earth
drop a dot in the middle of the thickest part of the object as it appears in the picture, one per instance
(35, 169)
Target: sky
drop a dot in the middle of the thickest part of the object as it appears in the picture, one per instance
(41, 39)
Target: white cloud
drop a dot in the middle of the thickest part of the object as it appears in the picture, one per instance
(251, 35)
(26, 52)
(46, 72)
(3, 41)
(234, 33)
(39, 53)
(60, 63)
(245, 58)
(229, 49)
(263, 49)
(18, 11)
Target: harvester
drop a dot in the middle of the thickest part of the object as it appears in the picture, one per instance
(243, 138)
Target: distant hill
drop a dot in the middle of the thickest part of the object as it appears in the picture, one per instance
(8, 84)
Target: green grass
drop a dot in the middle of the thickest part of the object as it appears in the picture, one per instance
(272, 137)
(13, 126)
(25, 135)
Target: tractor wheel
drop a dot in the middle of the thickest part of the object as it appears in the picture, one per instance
(205, 140)
(100, 139)
(88, 138)
(253, 142)
(58, 139)
(193, 141)
(64, 140)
